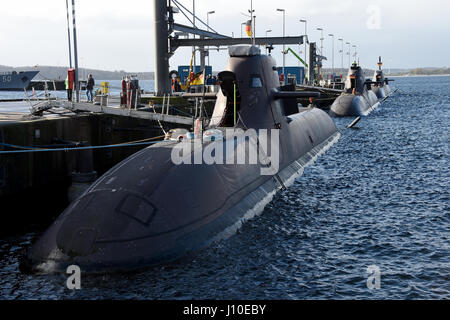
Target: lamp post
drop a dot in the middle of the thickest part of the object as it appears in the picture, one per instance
(321, 40)
(349, 56)
(267, 31)
(75, 49)
(207, 23)
(284, 53)
(207, 17)
(251, 11)
(332, 58)
(342, 54)
(68, 34)
(194, 51)
(321, 51)
(305, 40)
(354, 46)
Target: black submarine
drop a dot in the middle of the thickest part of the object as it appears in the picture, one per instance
(357, 99)
(149, 210)
(380, 84)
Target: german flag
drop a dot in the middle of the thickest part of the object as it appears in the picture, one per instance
(248, 28)
(198, 79)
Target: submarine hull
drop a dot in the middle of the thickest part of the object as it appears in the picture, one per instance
(382, 92)
(148, 210)
(380, 84)
(347, 105)
(379, 92)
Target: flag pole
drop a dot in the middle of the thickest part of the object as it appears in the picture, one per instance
(68, 34)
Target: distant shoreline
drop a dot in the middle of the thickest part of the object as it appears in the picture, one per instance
(418, 75)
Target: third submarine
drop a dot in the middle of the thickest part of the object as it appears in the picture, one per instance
(380, 84)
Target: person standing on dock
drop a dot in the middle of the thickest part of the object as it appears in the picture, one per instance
(68, 89)
(90, 88)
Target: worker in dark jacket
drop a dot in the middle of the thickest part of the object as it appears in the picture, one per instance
(90, 88)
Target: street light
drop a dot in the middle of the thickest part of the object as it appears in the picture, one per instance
(207, 17)
(321, 50)
(306, 45)
(252, 17)
(194, 48)
(207, 23)
(75, 53)
(342, 54)
(332, 58)
(267, 47)
(284, 54)
(242, 25)
(349, 56)
(321, 40)
(68, 33)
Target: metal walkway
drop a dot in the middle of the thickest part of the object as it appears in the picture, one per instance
(84, 106)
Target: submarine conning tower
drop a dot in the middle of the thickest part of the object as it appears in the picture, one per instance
(250, 85)
(252, 77)
(380, 84)
(355, 80)
(378, 76)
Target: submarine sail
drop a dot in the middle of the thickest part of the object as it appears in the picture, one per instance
(380, 84)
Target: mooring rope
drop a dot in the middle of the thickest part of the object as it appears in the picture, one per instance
(26, 149)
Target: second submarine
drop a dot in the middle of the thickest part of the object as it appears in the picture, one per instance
(357, 99)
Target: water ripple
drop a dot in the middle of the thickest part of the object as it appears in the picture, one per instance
(378, 197)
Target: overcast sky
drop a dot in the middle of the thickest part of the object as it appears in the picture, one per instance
(118, 35)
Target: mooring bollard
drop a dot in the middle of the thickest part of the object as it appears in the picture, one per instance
(84, 174)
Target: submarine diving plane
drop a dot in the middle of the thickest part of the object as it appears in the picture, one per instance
(149, 210)
(357, 99)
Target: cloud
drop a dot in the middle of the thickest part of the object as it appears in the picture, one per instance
(114, 34)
